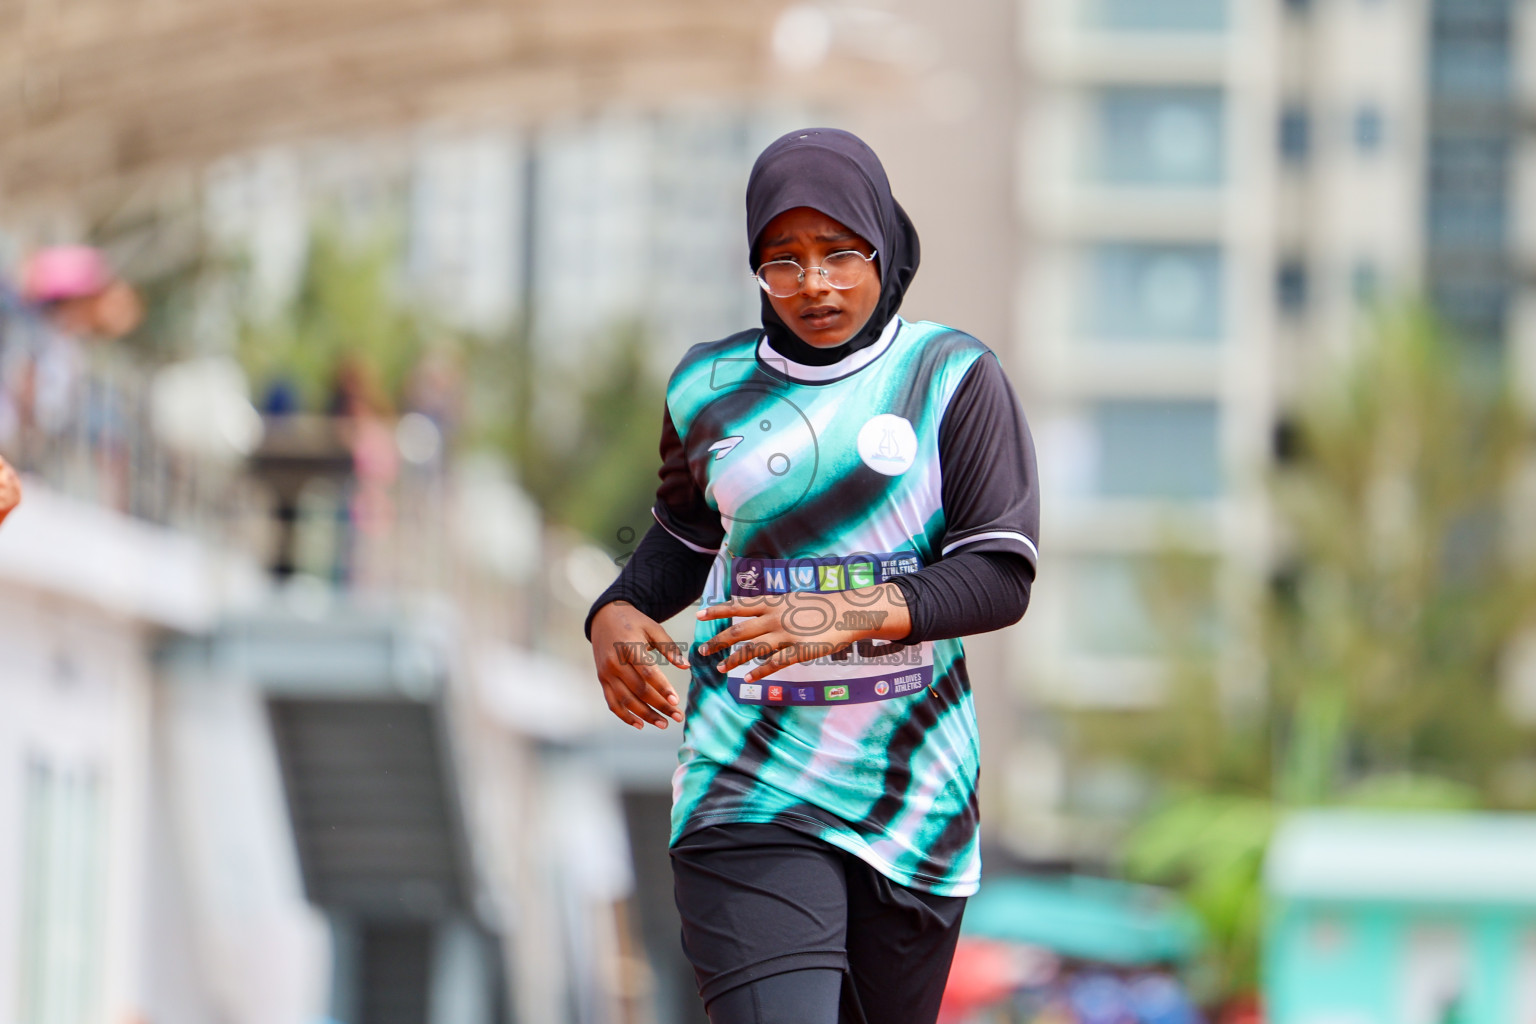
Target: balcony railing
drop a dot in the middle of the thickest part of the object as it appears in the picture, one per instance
(328, 499)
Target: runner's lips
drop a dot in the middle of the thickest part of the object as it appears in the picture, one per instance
(820, 313)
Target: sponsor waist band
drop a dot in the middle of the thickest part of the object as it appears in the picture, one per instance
(859, 690)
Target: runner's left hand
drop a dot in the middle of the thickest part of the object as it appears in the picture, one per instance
(804, 625)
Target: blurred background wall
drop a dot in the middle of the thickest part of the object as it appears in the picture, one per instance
(344, 405)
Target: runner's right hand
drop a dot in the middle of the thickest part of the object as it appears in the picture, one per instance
(10, 489)
(623, 639)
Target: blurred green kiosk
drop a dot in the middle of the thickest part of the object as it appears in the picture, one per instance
(1402, 919)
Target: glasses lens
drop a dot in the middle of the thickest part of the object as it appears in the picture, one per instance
(781, 278)
(845, 269)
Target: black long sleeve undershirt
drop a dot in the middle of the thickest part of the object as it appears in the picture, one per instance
(661, 578)
(968, 592)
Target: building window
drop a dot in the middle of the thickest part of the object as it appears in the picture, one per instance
(1368, 129)
(1147, 292)
(1291, 286)
(1468, 191)
(1156, 449)
(1471, 142)
(1476, 302)
(1295, 134)
(1471, 66)
(1161, 136)
(1121, 606)
(1108, 608)
(1160, 15)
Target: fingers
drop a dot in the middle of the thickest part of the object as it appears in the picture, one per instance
(757, 648)
(737, 632)
(716, 611)
(631, 701)
(648, 683)
(628, 668)
(735, 608)
(646, 700)
(669, 648)
(645, 678)
(791, 653)
(617, 706)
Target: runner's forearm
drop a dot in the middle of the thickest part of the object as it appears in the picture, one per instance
(966, 593)
(661, 578)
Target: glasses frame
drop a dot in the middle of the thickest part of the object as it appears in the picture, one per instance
(800, 280)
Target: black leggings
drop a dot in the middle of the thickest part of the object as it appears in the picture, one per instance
(781, 926)
(794, 997)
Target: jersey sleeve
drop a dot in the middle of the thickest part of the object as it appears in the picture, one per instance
(987, 462)
(681, 508)
(661, 578)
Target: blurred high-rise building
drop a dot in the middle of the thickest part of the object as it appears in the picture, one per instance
(1215, 194)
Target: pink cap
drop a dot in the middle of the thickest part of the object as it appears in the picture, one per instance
(65, 272)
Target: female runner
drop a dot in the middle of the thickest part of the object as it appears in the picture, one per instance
(850, 493)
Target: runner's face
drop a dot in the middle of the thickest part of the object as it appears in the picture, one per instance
(819, 314)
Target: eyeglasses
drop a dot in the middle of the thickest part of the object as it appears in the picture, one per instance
(841, 270)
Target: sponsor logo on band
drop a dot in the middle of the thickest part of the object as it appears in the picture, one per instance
(824, 573)
(832, 692)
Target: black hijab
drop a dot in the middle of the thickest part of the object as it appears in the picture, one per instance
(834, 172)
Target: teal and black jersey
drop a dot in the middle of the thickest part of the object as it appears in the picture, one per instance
(813, 479)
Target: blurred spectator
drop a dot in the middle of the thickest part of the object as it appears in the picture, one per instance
(10, 489)
(79, 292)
(356, 392)
(65, 416)
(358, 399)
(281, 397)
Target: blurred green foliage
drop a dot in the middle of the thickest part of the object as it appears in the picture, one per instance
(348, 306)
(581, 437)
(1400, 590)
(584, 439)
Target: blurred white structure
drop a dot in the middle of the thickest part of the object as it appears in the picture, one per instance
(119, 902)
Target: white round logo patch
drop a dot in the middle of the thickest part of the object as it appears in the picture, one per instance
(882, 688)
(888, 444)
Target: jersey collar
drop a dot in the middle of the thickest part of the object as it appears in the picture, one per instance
(853, 362)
